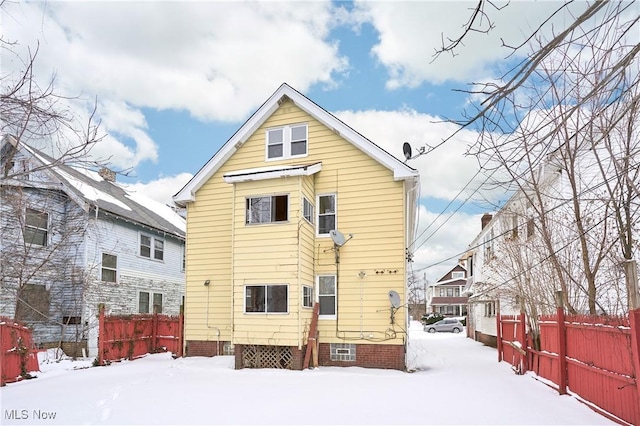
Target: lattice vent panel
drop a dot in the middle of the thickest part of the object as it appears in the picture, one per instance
(254, 356)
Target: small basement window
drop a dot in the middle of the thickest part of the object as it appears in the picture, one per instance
(342, 351)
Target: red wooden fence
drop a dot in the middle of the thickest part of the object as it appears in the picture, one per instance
(594, 357)
(17, 357)
(512, 341)
(131, 336)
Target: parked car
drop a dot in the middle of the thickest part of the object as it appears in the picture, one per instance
(431, 317)
(447, 324)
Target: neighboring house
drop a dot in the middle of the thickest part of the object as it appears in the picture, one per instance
(446, 295)
(485, 295)
(260, 252)
(71, 239)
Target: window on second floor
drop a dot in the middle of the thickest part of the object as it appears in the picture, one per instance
(308, 210)
(36, 227)
(326, 213)
(151, 247)
(286, 142)
(457, 274)
(109, 269)
(267, 209)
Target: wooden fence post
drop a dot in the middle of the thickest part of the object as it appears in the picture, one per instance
(562, 344)
(498, 331)
(523, 340)
(154, 332)
(631, 276)
(181, 332)
(101, 335)
(2, 352)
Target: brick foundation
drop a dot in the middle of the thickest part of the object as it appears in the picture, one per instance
(204, 348)
(368, 356)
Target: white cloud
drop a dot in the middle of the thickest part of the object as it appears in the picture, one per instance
(444, 171)
(216, 60)
(163, 189)
(411, 32)
(450, 241)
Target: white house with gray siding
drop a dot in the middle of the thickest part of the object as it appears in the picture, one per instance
(72, 239)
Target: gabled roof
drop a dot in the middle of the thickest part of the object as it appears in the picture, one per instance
(88, 187)
(400, 170)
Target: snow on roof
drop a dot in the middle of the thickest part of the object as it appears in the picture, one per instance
(91, 192)
(163, 210)
(111, 197)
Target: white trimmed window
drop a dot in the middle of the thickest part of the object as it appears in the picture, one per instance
(268, 298)
(267, 209)
(109, 269)
(307, 296)
(151, 247)
(286, 142)
(326, 213)
(490, 309)
(36, 228)
(149, 302)
(327, 296)
(457, 274)
(308, 210)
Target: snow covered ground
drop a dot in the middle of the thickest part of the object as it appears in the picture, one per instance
(457, 381)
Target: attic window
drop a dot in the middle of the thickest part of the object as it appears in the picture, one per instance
(286, 142)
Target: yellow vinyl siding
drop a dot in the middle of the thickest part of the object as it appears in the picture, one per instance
(370, 205)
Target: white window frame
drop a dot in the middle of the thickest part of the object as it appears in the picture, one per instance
(152, 295)
(457, 274)
(37, 229)
(109, 268)
(287, 141)
(307, 296)
(249, 216)
(335, 296)
(308, 210)
(265, 312)
(153, 249)
(318, 214)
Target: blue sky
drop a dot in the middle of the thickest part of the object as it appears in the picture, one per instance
(174, 81)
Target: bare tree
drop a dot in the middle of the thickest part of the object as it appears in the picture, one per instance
(416, 295)
(563, 133)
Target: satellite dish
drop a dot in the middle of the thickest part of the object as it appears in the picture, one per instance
(406, 148)
(337, 237)
(394, 298)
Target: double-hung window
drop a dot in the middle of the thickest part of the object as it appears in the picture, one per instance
(151, 247)
(149, 302)
(268, 298)
(286, 142)
(326, 213)
(109, 267)
(308, 210)
(36, 227)
(327, 296)
(267, 209)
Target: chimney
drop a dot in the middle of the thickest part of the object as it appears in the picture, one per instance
(486, 218)
(107, 174)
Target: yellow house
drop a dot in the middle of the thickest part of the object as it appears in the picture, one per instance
(298, 209)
